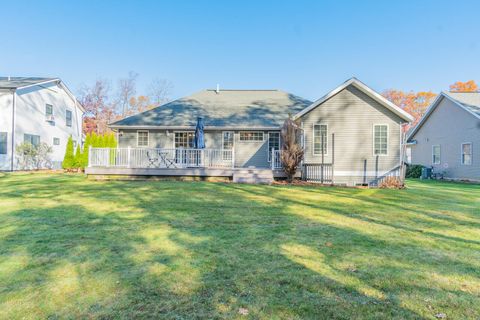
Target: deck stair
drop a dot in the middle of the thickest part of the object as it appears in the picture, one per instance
(248, 175)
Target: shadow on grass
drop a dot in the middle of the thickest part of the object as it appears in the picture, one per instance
(197, 250)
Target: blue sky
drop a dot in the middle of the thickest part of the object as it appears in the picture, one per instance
(304, 47)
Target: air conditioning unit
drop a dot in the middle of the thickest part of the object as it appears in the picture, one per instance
(50, 118)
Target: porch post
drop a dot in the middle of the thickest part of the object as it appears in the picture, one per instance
(233, 157)
(128, 157)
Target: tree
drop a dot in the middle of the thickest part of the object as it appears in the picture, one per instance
(126, 90)
(159, 91)
(292, 151)
(78, 159)
(100, 111)
(415, 103)
(68, 160)
(139, 104)
(468, 86)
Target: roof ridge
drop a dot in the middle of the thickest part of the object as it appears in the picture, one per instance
(242, 90)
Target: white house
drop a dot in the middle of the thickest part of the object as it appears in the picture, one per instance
(37, 110)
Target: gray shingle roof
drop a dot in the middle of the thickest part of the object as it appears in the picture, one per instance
(18, 82)
(228, 108)
(470, 100)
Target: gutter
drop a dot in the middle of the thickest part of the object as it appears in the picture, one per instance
(133, 127)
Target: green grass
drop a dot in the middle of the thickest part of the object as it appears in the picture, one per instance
(73, 248)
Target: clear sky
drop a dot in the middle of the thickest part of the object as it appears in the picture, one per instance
(303, 47)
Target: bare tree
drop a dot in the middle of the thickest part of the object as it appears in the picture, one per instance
(292, 151)
(127, 88)
(159, 91)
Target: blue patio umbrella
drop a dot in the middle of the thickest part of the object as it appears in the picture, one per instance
(199, 141)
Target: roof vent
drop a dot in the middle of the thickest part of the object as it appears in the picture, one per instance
(217, 91)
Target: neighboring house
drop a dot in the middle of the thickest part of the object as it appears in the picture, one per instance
(361, 133)
(37, 110)
(447, 137)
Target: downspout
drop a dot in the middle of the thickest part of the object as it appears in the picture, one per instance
(14, 103)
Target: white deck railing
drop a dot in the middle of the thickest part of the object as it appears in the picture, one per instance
(160, 158)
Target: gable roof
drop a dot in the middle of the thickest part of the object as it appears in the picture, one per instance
(468, 101)
(225, 108)
(22, 82)
(365, 89)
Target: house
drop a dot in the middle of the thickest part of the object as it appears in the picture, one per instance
(447, 137)
(37, 110)
(351, 136)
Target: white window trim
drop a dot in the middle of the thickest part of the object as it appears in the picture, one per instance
(373, 139)
(313, 139)
(223, 139)
(269, 150)
(148, 138)
(439, 156)
(471, 153)
(181, 131)
(251, 141)
(71, 118)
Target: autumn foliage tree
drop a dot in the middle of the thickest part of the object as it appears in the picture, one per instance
(292, 152)
(468, 86)
(415, 103)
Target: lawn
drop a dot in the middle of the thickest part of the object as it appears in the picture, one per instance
(74, 248)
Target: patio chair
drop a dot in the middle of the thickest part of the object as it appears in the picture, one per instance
(152, 159)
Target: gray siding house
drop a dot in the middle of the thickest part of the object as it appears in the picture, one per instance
(447, 137)
(361, 133)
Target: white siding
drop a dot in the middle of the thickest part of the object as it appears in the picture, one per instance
(30, 119)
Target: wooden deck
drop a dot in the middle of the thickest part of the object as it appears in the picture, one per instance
(177, 172)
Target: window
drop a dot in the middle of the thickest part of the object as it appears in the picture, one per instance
(184, 139)
(380, 140)
(142, 138)
(3, 143)
(56, 141)
(320, 139)
(227, 140)
(251, 136)
(436, 154)
(32, 139)
(68, 118)
(74, 144)
(48, 110)
(466, 154)
(273, 143)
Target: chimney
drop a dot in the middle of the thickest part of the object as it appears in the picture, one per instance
(217, 91)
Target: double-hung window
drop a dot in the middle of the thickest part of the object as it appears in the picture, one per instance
(68, 118)
(48, 111)
(320, 136)
(3, 143)
(380, 140)
(273, 143)
(467, 154)
(34, 140)
(142, 138)
(56, 141)
(436, 154)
